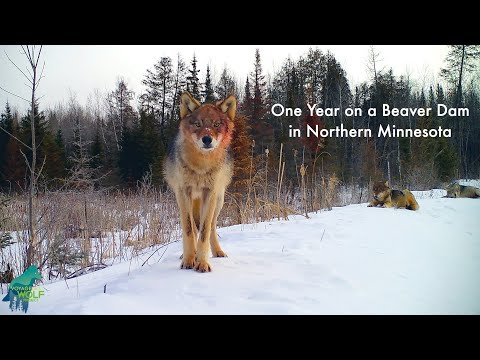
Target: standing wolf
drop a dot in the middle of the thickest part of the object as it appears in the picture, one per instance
(387, 197)
(199, 168)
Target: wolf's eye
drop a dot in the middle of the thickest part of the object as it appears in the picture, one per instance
(197, 123)
(217, 124)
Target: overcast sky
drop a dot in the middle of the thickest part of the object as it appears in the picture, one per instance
(80, 69)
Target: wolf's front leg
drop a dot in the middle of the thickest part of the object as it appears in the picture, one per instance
(214, 243)
(206, 217)
(373, 203)
(388, 204)
(188, 230)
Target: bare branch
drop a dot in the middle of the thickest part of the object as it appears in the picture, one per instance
(28, 55)
(171, 242)
(38, 57)
(40, 171)
(29, 79)
(31, 75)
(26, 160)
(13, 136)
(14, 95)
(41, 74)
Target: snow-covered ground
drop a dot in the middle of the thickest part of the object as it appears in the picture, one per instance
(351, 260)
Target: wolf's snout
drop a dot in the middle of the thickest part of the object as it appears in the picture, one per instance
(207, 140)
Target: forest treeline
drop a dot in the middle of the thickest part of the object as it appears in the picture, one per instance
(115, 142)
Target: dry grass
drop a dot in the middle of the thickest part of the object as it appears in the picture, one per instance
(96, 226)
(78, 229)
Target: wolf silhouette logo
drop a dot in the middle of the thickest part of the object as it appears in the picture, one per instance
(20, 288)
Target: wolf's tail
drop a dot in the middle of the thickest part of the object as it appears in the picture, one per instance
(411, 201)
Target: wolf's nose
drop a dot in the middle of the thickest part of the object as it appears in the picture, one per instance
(207, 140)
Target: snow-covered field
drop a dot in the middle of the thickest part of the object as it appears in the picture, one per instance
(351, 260)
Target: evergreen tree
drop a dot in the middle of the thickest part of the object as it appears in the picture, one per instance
(81, 176)
(246, 105)
(14, 169)
(226, 85)
(179, 85)
(431, 98)
(208, 93)
(54, 156)
(193, 84)
(243, 165)
(12, 164)
(40, 128)
(162, 88)
(128, 158)
(259, 93)
(6, 127)
(262, 131)
(151, 149)
(119, 112)
(461, 59)
(5, 237)
(96, 152)
(61, 148)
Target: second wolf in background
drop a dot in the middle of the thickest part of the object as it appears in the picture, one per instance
(456, 190)
(385, 196)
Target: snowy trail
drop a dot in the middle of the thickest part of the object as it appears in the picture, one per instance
(369, 261)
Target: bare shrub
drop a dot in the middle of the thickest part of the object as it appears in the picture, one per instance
(120, 225)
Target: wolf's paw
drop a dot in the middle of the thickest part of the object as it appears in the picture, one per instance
(219, 253)
(188, 262)
(369, 205)
(202, 266)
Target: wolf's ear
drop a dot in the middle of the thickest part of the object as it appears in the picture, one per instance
(187, 104)
(228, 106)
(386, 183)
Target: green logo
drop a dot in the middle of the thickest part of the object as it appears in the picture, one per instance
(21, 290)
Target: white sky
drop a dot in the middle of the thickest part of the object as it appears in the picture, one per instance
(80, 69)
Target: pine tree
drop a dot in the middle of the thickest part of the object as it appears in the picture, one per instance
(61, 148)
(461, 59)
(208, 93)
(179, 84)
(259, 93)
(5, 237)
(54, 156)
(119, 112)
(81, 175)
(431, 98)
(226, 85)
(51, 158)
(151, 149)
(128, 158)
(96, 152)
(14, 169)
(243, 166)
(47, 150)
(6, 127)
(246, 106)
(193, 84)
(262, 131)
